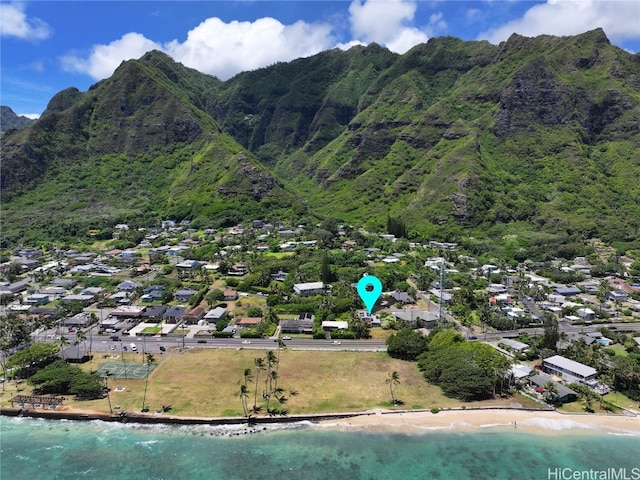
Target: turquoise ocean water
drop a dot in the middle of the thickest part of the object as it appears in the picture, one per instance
(33, 449)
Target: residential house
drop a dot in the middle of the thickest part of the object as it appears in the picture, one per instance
(13, 288)
(567, 291)
(514, 345)
(329, 326)
(187, 265)
(215, 315)
(184, 294)
(174, 314)
(128, 286)
(617, 296)
(193, 316)
(128, 311)
(248, 322)
(230, 295)
(586, 314)
(302, 324)
(372, 319)
(402, 297)
(153, 314)
(55, 292)
(80, 320)
(310, 288)
(37, 299)
(94, 291)
(238, 269)
(279, 277)
(563, 395)
(570, 370)
(64, 282)
(83, 299)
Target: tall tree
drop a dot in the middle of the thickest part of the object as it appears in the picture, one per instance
(551, 391)
(62, 343)
(392, 380)
(259, 367)
(150, 360)
(551, 333)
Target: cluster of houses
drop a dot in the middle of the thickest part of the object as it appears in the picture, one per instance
(560, 372)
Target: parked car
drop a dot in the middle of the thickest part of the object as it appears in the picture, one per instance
(112, 347)
(133, 347)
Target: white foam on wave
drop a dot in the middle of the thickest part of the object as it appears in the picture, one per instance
(494, 425)
(568, 424)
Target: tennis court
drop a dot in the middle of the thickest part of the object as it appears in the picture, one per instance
(136, 371)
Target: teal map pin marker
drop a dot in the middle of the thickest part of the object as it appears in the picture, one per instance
(369, 289)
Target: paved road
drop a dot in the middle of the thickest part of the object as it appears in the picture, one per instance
(102, 343)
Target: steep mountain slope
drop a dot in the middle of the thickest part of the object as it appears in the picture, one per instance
(530, 138)
(9, 120)
(533, 141)
(134, 148)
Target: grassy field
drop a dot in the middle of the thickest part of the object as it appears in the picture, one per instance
(203, 383)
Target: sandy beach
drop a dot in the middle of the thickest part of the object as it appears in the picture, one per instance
(543, 422)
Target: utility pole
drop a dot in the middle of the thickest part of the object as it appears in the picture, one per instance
(442, 281)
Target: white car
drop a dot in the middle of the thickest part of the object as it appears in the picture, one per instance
(246, 342)
(112, 347)
(336, 342)
(286, 338)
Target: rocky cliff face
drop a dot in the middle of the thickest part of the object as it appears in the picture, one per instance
(452, 134)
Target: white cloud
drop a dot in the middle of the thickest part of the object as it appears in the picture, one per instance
(387, 22)
(104, 59)
(225, 49)
(619, 19)
(213, 47)
(14, 23)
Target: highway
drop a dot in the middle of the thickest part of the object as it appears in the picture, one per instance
(154, 345)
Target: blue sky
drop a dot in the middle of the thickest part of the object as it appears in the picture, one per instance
(47, 46)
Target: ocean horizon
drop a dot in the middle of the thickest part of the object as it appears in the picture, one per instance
(66, 449)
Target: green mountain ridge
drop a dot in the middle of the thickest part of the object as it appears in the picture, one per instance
(535, 139)
(9, 120)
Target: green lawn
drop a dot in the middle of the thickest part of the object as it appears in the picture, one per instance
(202, 382)
(619, 350)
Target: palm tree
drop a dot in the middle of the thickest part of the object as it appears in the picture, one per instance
(81, 336)
(392, 380)
(243, 394)
(106, 385)
(272, 361)
(150, 361)
(248, 375)
(551, 390)
(62, 342)
(259, 364)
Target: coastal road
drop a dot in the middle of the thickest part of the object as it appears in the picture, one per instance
(102, 343)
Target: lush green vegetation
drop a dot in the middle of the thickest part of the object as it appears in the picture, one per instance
(59, 378)
(464, 370)
(435, 144)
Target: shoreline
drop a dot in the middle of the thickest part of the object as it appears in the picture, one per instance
(545, 422)
(409, 422)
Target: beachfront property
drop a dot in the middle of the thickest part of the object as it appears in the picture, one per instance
(570, 370)
(562, 395)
